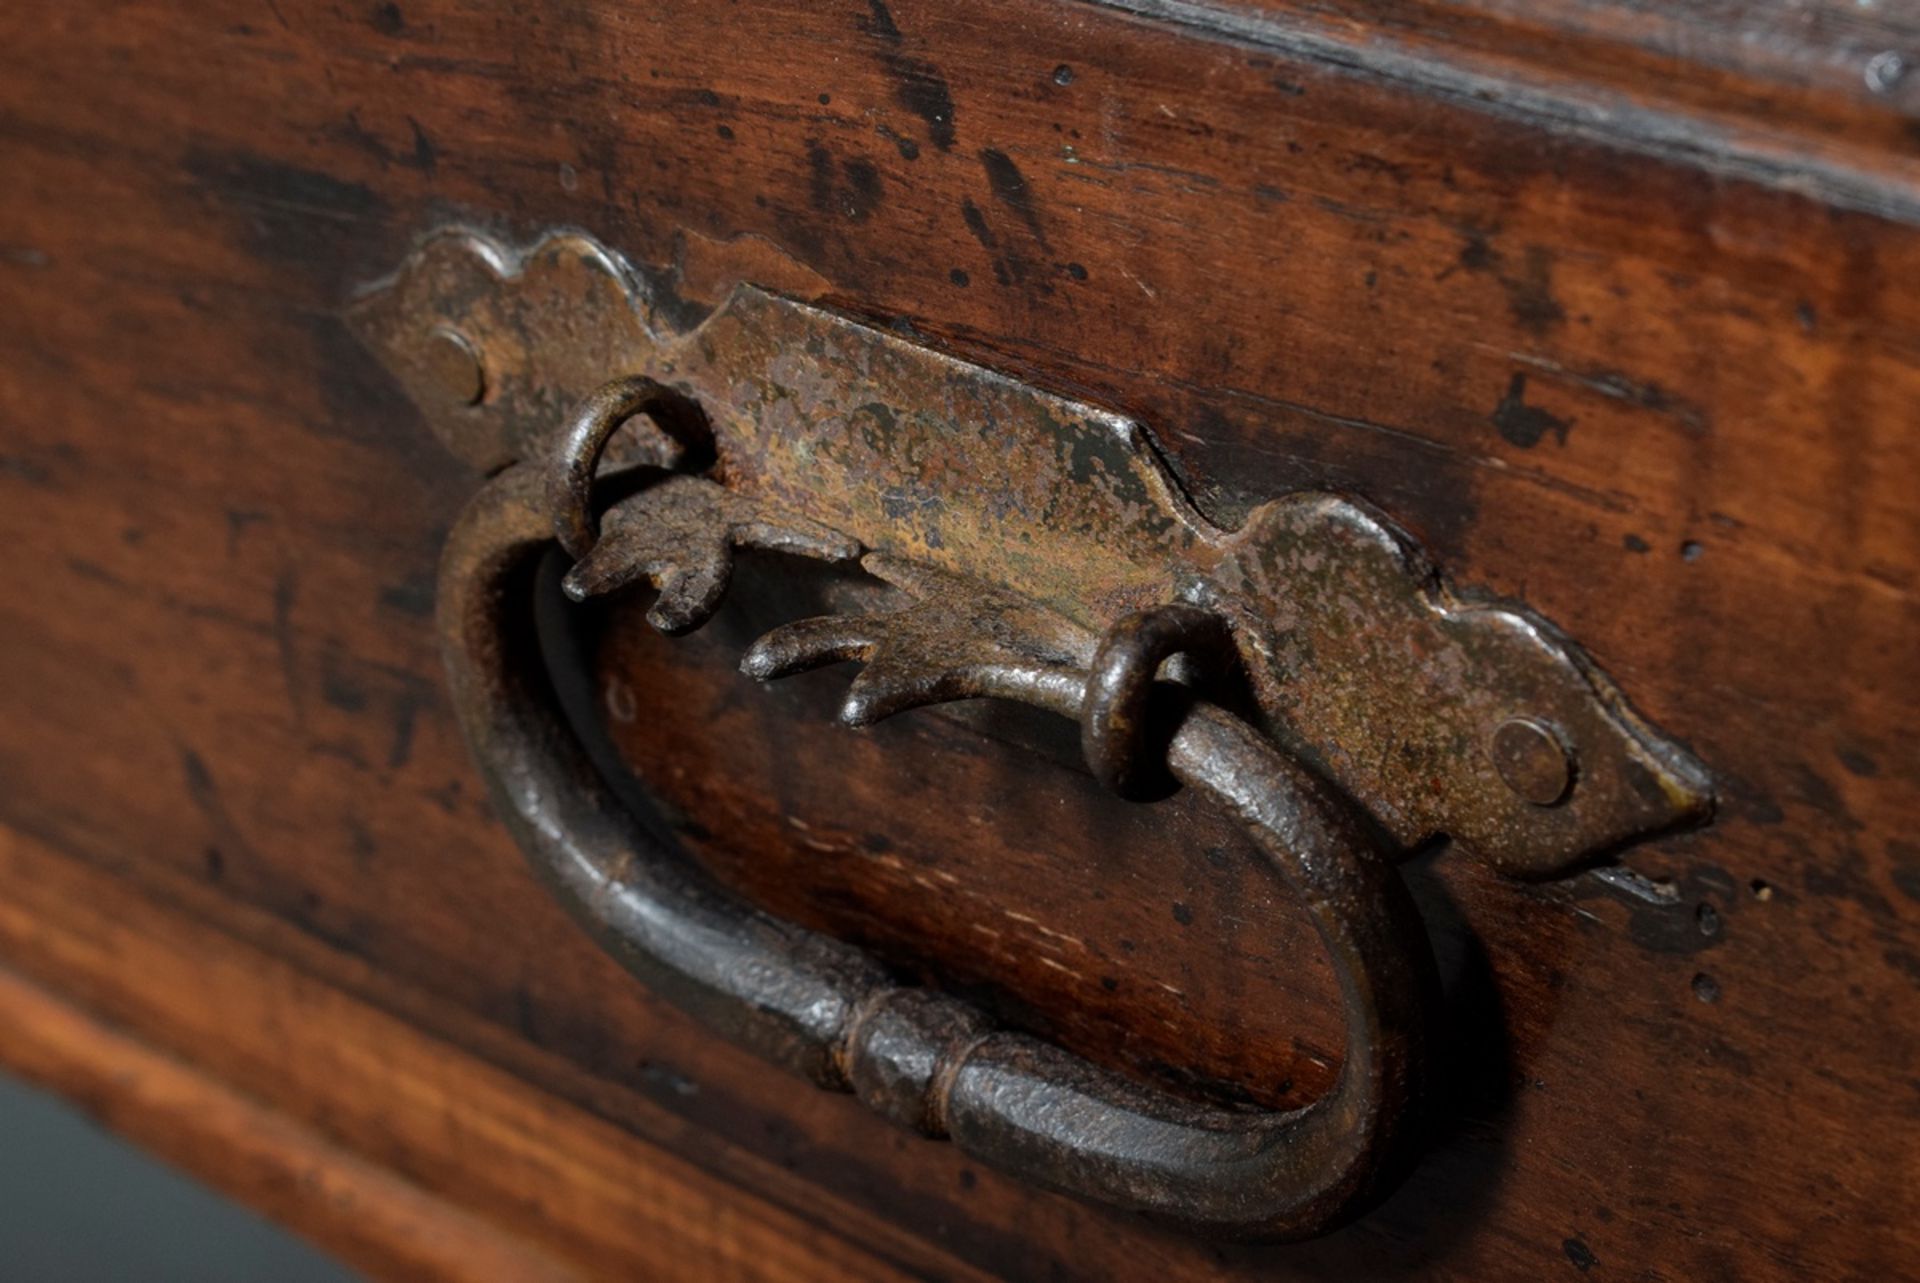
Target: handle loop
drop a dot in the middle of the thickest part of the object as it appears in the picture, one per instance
(828, 1012)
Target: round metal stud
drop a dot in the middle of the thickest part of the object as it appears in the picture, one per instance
(1532, 760)
(453, 363)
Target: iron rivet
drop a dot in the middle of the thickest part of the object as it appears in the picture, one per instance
(1532, 760)
(454, 366)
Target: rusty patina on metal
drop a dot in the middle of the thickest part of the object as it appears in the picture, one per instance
(1037, 550)
(923, 1059)
(540, 329)
(1364, 663)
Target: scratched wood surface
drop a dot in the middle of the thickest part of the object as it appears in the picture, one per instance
(1652, 370)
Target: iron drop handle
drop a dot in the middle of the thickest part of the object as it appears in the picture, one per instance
(1046, 554)
(826, 1011)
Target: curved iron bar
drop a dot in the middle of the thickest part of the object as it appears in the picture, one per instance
(825, 1010)
(584, 440)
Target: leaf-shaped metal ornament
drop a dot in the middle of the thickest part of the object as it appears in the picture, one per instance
(958, 639)
(680, 536)
(1439, 710)
(1044, 552)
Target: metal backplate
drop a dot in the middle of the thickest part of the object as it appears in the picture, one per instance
(1439, 713)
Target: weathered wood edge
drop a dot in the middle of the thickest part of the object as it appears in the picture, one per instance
(1716, 138)
(367, 1216)
(318, 1110)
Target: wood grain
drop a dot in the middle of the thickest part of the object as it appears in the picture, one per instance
(1816, 96)
(408, 1158)
(1663, 397)
(973, 849)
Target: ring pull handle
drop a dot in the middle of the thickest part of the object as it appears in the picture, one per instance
(1045, 553)
(830, 1013)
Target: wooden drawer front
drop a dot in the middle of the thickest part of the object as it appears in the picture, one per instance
(1614, 320)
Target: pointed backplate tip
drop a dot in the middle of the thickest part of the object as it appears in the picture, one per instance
(1443, 714)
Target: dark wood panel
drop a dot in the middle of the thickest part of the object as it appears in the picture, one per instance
(974, 850)
(1668, 405)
